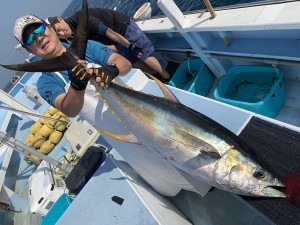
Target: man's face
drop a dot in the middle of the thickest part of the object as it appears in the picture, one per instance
(62, 29)
(46, 45)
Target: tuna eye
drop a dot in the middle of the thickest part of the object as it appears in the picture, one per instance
(259, 173)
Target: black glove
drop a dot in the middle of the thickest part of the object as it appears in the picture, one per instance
(134, 49)
(107, 73)
(79, 77)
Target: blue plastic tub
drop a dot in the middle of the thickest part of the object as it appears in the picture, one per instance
(193, 76)
(257, 89)
(57, 210)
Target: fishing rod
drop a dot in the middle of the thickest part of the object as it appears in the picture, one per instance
(32, 114)
(20, 147)
(75, 176)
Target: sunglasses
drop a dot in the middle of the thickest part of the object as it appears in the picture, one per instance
(31, 37)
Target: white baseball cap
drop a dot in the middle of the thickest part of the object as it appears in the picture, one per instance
(22, 23)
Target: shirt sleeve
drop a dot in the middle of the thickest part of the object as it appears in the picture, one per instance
(49, 88)
(97, 26)
(98, 53)
(102, 29)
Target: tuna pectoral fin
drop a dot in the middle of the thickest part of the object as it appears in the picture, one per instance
(198, 185)
(198, 144)
(128, 138)
(165, 90)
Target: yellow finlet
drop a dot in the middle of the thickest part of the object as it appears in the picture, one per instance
(125, 126)
(106, 104)
(113, 112)
(151, 95)
(114, 82)
(101, 98)
(140, 91)
(119, 119)
(122, 85)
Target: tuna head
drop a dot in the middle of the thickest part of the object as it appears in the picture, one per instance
(239, 174)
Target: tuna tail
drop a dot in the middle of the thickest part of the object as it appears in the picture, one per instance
(62, 62)
(79, 43)
(66, 60)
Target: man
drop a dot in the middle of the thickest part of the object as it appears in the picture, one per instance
(119, 32)
(42, 40)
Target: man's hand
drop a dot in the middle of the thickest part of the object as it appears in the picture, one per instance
(79, 76)
(105, 74)
(135, 50)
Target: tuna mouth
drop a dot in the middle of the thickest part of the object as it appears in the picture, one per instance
(271, 191)
(274, 189)
(277, 184)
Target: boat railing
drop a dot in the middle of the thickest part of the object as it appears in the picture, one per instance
(236, 6)
(16, 47)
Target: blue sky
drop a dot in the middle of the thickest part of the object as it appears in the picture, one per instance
(10, 10)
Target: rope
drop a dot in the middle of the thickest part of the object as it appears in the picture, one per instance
(69, 158)
(189, 70)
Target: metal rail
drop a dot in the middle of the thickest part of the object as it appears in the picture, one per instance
(237, 6)
(256, 59)
(189, 53)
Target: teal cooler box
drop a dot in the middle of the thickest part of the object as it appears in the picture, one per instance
(257, 89)
(193, 76)
(57, 210)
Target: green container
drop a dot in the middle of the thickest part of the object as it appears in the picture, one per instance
(193, 76)
(257, 89)
(57, 210)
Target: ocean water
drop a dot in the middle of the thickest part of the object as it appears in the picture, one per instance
(129, 7)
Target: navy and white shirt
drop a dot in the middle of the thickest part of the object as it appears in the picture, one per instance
(50, 85)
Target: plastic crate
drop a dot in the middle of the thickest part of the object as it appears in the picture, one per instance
(257, 89)
(57, 210)
(193, 76)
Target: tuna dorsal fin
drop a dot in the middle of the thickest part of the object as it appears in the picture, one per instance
(128, 138)
(69, 58)
(165, 90)
(198, 144)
